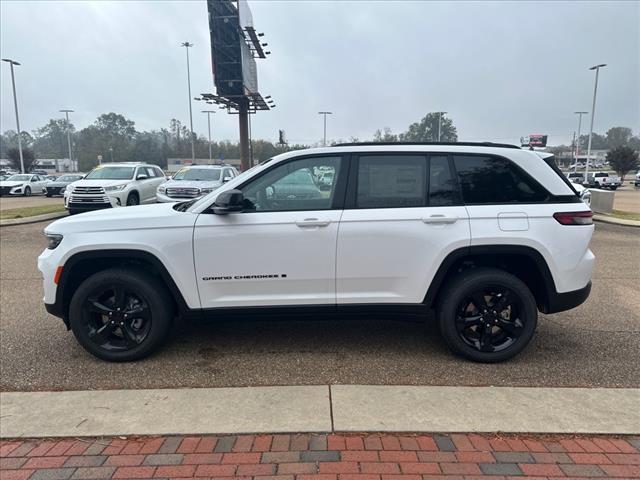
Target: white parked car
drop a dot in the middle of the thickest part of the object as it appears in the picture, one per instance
(23, 184)
(194, 182)
(637, 180)
(486, 235)
(114, 185)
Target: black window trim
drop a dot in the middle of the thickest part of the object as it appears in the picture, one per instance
(339, 193)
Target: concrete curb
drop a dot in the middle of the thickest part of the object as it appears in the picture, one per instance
(615, 221)
(33, 219)
(302, 409)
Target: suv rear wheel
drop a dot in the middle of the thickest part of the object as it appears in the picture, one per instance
(487, 315)
(121, 315)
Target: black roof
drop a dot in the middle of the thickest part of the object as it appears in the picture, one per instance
(462, 144)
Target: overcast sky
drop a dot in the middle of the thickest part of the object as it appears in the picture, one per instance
(501, 69)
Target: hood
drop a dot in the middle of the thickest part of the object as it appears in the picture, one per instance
(99, 183)
(192, 184)
(155, 216)
(11, 184)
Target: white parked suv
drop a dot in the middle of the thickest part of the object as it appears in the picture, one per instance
(114, 185)
(486, 235)
(194, 182)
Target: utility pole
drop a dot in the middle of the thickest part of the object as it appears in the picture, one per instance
(440, 123)
(324, 141)
(15, 104)
(187, 45)
(66, 113)
(575, 161)
(209, 112)
(593, 111)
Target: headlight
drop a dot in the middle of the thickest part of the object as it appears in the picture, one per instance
(69, 188)
(206, 190)
(17, 187)
(115, 188)
(53, 240)
(162, 189)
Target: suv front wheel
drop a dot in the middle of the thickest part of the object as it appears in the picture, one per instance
(121, 315)
(487, 315)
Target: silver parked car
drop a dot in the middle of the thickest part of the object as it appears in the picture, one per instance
(194, 182)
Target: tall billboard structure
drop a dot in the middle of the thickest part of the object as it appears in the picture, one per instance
(235, 46)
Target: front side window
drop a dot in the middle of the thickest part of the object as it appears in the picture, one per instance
(111, 173)
(485, 179)
(295, 185)
(391, 181)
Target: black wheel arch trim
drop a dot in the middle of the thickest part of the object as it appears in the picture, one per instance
(61, 306)
(552, 303)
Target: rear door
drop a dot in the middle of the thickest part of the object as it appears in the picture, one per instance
(402, 218)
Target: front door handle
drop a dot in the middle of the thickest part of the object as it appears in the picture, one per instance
(440, 219)
(312, 222)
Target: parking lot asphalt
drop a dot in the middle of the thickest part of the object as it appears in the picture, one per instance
(596, 344)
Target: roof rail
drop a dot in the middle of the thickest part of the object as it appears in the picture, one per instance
(462, 144)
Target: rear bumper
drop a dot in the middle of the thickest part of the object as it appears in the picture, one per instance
(559, 302)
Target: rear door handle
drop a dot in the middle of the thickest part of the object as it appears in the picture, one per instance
(440, 219)
(312, 222)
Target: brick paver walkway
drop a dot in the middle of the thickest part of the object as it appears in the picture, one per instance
(323, 457)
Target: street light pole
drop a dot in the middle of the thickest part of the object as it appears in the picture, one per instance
(575, 162)
(324, 141)
(111, 153)
(15, 104)
(187, 45)
(593, 111)
(440, 123)
(209, 112)
(66, 113)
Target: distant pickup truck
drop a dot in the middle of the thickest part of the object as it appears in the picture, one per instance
(603, 180)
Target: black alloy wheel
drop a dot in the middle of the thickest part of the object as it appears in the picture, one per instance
(488, 319)
(27, 191)
(487, 315)
(121, 314)
(117, 318)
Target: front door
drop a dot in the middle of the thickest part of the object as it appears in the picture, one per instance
(402, 218)
(282, 249)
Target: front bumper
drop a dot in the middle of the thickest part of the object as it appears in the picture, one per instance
(86, 203)
(12, 191)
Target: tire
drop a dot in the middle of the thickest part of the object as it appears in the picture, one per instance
(27, 191)
(464, 328)
(48, 195)
(614, 188)
(123, 292)
(133, 199)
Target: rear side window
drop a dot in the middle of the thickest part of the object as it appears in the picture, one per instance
(486, 179)
(391, 181)
(443, 190)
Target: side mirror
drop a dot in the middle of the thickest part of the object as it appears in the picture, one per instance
(141, 176)
(226, 179)
(229, 202)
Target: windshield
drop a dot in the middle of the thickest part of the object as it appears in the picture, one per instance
(198, 174)
(69, 178)
(19, 178)
(111, 173)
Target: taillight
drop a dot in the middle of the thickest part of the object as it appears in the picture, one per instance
(574, 218)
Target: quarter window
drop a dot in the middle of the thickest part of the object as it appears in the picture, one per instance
(306, 184)
(486, 179)
(391, 181)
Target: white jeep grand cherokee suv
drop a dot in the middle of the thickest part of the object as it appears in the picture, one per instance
(486, 235)
(114, 185)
